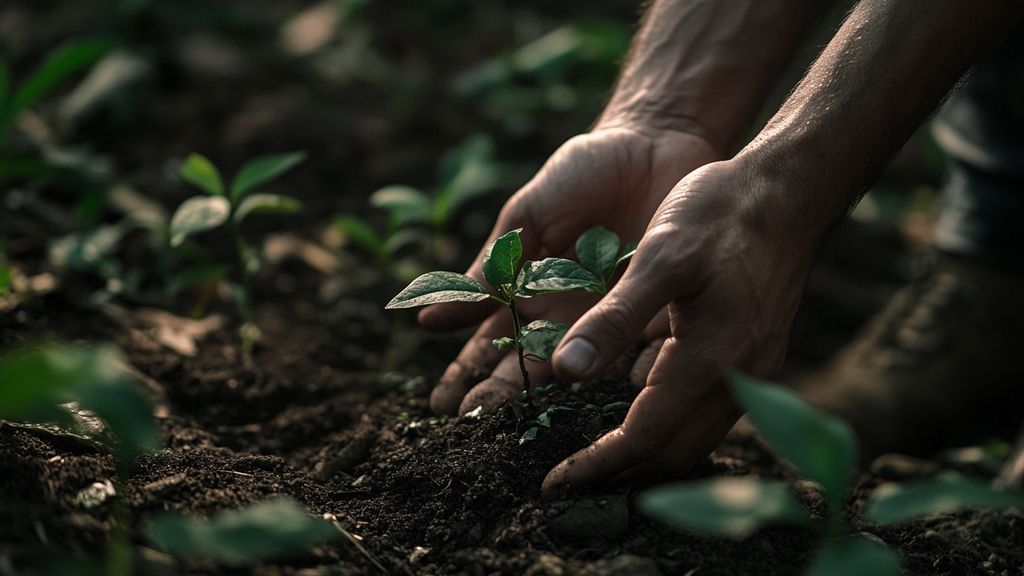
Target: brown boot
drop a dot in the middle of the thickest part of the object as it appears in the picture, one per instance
(941, 365)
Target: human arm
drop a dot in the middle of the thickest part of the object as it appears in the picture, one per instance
(729, 248)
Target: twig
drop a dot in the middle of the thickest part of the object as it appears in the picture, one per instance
(355, 542)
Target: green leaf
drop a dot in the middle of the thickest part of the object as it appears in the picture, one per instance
(198, 214)
(529, 436)
(34, 385)
(598, 250)
(61, 63)
(854, 556)
(6, 276)
(734, 507)
(822, 447)
(627, 254)
(541, 337)
(404, 205)
(501, 261)
(200, 172)
(468, 172)
(263, 169)
(437, 287)
(5, 79)
(892, 504)
(362, 234)
(267, 529)
(502, 343)
(553, 275)
(265, 204)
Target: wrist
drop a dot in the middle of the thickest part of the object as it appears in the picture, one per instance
(653, 120)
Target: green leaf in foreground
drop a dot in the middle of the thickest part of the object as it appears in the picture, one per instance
(198, 214)
(263, 169)
(854, 556)
(598, 250)
(265, 204)
(264, 530)
(200, 172)
(822, 447)
(501, 260)
(893, 504)
(734, 507)
(437, 287)
(554, 275)
(541, 337)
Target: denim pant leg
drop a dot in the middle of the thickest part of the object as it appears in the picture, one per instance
(981, 129)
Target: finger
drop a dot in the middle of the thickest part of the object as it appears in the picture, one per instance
(474, 362)
(454, 316)
(610, 327)
(504, 384)
(645, 362)
(658, 327)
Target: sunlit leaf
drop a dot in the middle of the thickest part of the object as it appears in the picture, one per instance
(501, 260)
(734, 507)
(265, 204)
(553, 275)
(199, 171)
(541, 337)
(437, 287)
(264, 530)
(404, 205)
(597, 250)
(854, 556)
(892, 504)
(822, 447)
(198, 214)
(263, 169)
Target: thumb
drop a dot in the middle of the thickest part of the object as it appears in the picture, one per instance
(610, 327)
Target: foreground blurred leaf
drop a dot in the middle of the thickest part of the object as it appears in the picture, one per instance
(437, 287)
(822, 447)
(854, 556)
(263, 169)
(734, 507)
(264, 530)
(892, 504)
(199, 171)
(198, 214)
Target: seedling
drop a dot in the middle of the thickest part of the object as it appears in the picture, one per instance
(414, 216)
(230, 206)
(599, 254)
(823, 448)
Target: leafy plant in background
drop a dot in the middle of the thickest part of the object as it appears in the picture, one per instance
(59, 388)
(417, 217)
(822, 448)
(229, 207)
(600, 257)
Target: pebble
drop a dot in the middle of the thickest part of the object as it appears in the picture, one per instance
(547, 565)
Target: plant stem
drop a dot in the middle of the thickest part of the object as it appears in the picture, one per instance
(246, 276)
(516, 324)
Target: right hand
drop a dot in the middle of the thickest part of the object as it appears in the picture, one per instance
(614, 177)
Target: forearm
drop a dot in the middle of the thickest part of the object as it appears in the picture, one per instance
(886, 70)
(704, 66)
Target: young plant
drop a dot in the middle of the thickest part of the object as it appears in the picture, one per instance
(230, 206)
(600, 258)
(416, 217)
(822, 448)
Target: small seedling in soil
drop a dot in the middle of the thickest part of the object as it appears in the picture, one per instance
(419, 218)
(230, 206)
(600, 259)
(822, 448)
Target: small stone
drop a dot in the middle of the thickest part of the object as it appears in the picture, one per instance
(348, 457)
(625, 565)
(547, 565)
(418, 553)
(94, 494)
(592, 520)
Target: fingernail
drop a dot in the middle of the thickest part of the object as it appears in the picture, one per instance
(578, 356)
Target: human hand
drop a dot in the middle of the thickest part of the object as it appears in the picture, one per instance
(613, 177)
(727, 252)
